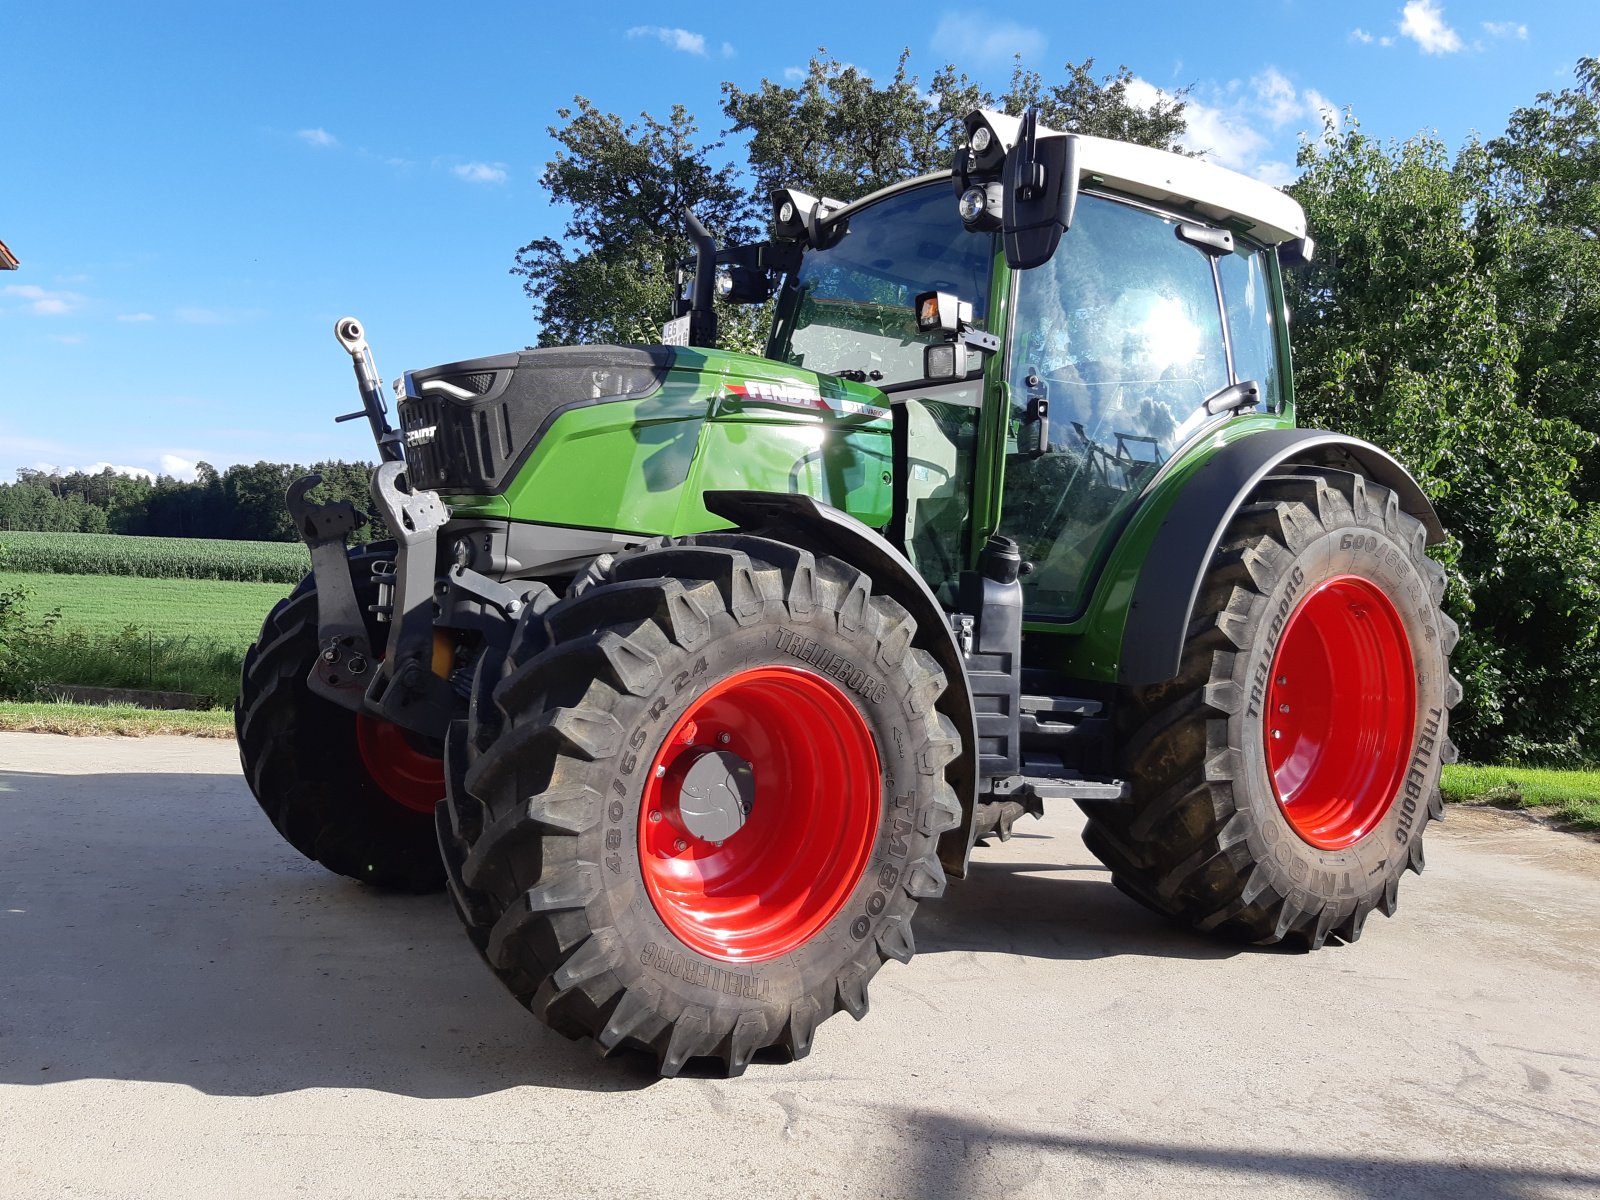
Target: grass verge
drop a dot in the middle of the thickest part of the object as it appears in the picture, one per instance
(136, 659)
(86, 720)
(1573, 795)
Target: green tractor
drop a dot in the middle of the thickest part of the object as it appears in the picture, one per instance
(691, 673)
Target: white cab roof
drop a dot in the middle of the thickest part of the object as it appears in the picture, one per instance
(1213, 191)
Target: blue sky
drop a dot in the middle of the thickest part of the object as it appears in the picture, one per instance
(197, 190)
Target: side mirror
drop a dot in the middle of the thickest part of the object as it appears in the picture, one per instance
(1040, 186)
(1298, 252)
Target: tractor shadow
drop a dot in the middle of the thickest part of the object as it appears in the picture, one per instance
(154, 927)
(1058, 904)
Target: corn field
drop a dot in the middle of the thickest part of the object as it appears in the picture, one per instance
(154, 557)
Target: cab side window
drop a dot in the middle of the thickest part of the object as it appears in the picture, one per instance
(1251, 330)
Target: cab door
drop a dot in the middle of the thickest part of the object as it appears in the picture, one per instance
(1121, 333)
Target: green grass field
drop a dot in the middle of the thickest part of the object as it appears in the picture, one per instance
(1574, 795)
(207, 610)
(177, 635)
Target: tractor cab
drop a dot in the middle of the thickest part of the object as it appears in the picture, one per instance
(1107, 307)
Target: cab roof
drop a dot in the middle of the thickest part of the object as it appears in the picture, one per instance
(1216, 193)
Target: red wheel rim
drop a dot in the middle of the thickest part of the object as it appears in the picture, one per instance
(1341, 711)
(406, 775)
(813, 819)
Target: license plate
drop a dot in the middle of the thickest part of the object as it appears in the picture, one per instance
(676, 331)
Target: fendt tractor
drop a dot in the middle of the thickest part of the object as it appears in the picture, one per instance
(690, 674)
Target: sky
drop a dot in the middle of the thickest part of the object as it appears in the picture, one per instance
(197, 191)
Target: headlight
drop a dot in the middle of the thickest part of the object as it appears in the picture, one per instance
(981, 138)
(973, 200)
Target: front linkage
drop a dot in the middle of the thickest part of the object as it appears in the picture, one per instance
(406, 681)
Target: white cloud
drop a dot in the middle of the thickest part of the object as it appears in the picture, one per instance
(133, 472)
(317, 137)
(1277, 97)
(477, 172)
(1242, 126)
(984, 41)
(41, 302)
(1223, 135)
(678, 39)
(1423, 22)
(1278, 174)
(794, 74)
(178, 468)
(1506, 29)
(1361, 35)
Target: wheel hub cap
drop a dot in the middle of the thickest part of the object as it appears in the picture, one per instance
(405, 774)
(1341, 706)
(759, 814)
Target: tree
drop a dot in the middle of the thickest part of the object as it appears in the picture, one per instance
(1545, 217)
(838, 133)
(627, 187)
(245, 501)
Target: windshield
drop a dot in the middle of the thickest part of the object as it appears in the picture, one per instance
(849, 308)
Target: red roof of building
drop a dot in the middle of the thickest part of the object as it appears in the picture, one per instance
(8, 260)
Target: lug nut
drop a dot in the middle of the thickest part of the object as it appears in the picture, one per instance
(661, 772)
(655, 817)
(680, 845)
(1277, 733)
(1283, 708)
(330, 655)
(724, 739)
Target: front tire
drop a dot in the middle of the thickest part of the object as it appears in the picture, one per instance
(348, 791)
(703, 806)
(1281, 783)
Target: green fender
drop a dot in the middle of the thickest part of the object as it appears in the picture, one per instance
(1144, 602)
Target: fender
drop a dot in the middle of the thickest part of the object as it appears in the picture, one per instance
(812, 525)
(1164, 596)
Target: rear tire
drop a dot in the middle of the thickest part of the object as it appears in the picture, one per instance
(1281, 783)
(568, 833)
(306, 759)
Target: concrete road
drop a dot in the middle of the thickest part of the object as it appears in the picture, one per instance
(187, 1008)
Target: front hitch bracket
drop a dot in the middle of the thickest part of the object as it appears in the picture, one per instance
(344, 663)
(404, 688)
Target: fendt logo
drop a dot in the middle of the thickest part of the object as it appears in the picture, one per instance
(796, 395)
